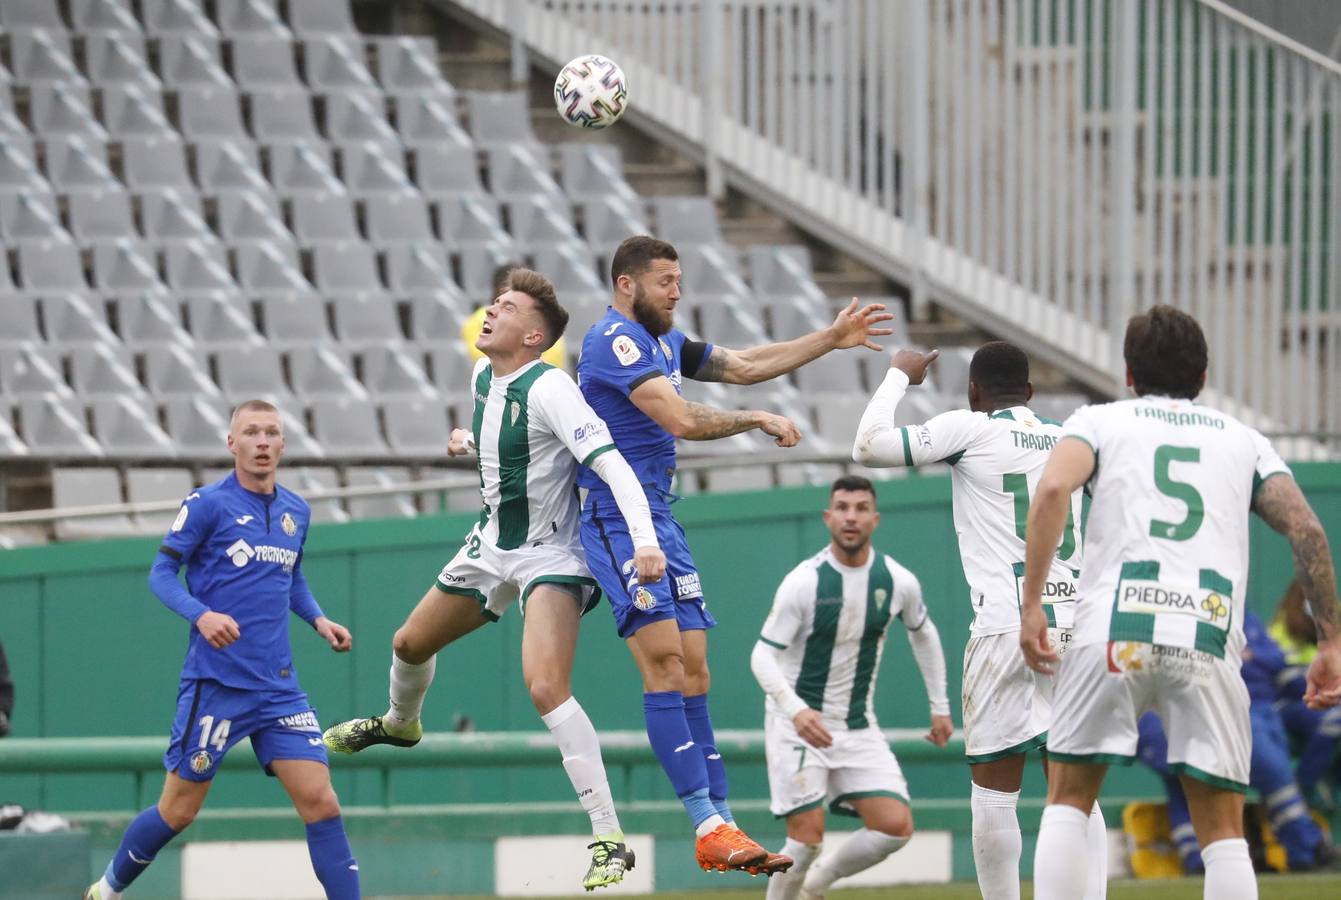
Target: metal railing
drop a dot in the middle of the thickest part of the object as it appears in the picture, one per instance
(1043, 167)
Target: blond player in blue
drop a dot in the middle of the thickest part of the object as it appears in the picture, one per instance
(241, 540)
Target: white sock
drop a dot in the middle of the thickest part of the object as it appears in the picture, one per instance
(862, 849)
(1060, 862)
(409, 684)
(996, 842)
(786, 885)
(105, 890)
(581, 749)
(708, 825)
(1229, 871)
(1096, 843)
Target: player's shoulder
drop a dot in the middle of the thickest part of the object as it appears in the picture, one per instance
(210, 494)
(898, 570)
(806, 571)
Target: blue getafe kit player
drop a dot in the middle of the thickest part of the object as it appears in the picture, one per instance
(630, 370)
(241, 540)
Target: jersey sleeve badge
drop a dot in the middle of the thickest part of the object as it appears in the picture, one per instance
(626, 351)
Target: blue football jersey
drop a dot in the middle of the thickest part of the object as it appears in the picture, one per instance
(242, 552)
(618, 354)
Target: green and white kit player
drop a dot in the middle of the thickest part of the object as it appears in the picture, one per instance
(531, 426)
(1159, 621)
(817, 659)
(996, 450)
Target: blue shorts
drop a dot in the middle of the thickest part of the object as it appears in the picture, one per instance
(678, 595)
(212, 717)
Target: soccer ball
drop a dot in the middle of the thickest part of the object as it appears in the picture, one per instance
(591, 92)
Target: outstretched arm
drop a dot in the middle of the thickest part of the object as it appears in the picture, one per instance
(648, 558)
(683, 418)
(1281, 505)
(853, 328)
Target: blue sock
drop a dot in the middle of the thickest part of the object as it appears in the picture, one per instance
(700, 728)
(332, 860)
(668, 733)
(146, 835)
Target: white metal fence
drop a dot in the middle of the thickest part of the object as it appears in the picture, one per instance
(1044, 167)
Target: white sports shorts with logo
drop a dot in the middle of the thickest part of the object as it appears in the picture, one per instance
(1007, 705)
(1103, 689)
(801, 777)
(496, 578)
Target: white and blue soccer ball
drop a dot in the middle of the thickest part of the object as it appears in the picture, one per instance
(591, 92)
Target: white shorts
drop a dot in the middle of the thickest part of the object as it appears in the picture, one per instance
(1102, 689)
(496, 578)
(1007, 705)
(801, 777)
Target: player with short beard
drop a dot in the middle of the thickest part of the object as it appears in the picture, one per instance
(630, 370)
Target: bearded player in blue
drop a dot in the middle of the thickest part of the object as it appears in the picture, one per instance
(241, 540)
(630, 372)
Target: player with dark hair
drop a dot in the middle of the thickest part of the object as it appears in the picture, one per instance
(530, 428)
(630, 370)
(996, 449)
(816, 659)
(241, 540)
(1160, 616)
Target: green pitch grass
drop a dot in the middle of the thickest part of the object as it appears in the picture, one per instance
(1270, 887)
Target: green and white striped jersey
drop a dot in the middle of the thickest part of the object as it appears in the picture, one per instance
(828, 621)
(1167, 557)
(531, 428)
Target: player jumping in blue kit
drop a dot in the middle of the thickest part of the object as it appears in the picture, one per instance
(241, 540)
(630, 371)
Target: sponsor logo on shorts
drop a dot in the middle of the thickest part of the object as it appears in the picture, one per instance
(687, 586)
(1179, 662)
(201, 761)
(303, 721)
(644, 599)
(449, 578)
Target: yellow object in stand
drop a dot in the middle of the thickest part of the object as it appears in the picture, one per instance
(1153, 854)
(470, 331)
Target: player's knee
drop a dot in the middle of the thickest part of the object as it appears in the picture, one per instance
(548, 693)
(895, 824)
(319, 806)
(811, 833)
(665, 671)
(407, 649)
(178, 812)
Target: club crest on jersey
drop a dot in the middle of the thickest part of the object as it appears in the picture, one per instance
(201, 761)
(880, 596)
(665, 347)
(644, 599)
(516, 411)
(626, 351)
(287, 523)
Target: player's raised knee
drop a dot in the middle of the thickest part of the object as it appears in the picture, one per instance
(895, 823)
(318, 805)
(548, 693)
(408, 648)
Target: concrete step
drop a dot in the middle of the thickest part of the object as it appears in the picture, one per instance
(660, 179)
(839, 285)
(742, 231)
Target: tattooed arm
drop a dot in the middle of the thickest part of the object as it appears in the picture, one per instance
(1281, 505)
(657, 398)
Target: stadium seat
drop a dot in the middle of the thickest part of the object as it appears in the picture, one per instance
(250, 17)
(1058, 405)
(783, 269)
(198, 426)
(31, 370)
(281, 114)
(27, 15)
(322, 217)
(71, 319)
(249, 217)
(347, 267)
(418, 269)
(50, 265)
(197, 267)
(708, 269)
(392, 372)
(591, 171)
(347, 426)
(150, 162)
(261, 61)
(19, 313)
(723, 320)
(191, 60)
(17, 172)
(465, 498)
(246, 372)
(289, 320)
(351, 116)
(64, 109)
(41, 56)
(301, 168)
(175, 17)
(270, 267)
(572, 268)
(11, 444)
(309, 17)
(608, 220)
(437, 315)
(428, 121)
(177, 371)
(123, 264)
(311, 480)
(156, 485)
(362, 319)
(449, 367)
(168, 215)
(446, 170)
(100, 215)
(93, 17)
(369, 167)
(536, 219)
(298, 442)
(150, 318)
(400, 218)
(211, 112)
(99, 370)
(792, 316)
(386, 506)
(322, 372)
(132, 110)
(31, 218)
(118, 57)
(409, 65)
(838, 373)
(222, 166)
(917, 407)
(53, 425)
(334, 62)
(516, 172)
(501, 119)
(89, 487)
(129, 426)
(738, 478)
(951, 371)
(686, 220)
(415, 427)
(836, 417)
(217, 319)
(467, 220)
(479, 262)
